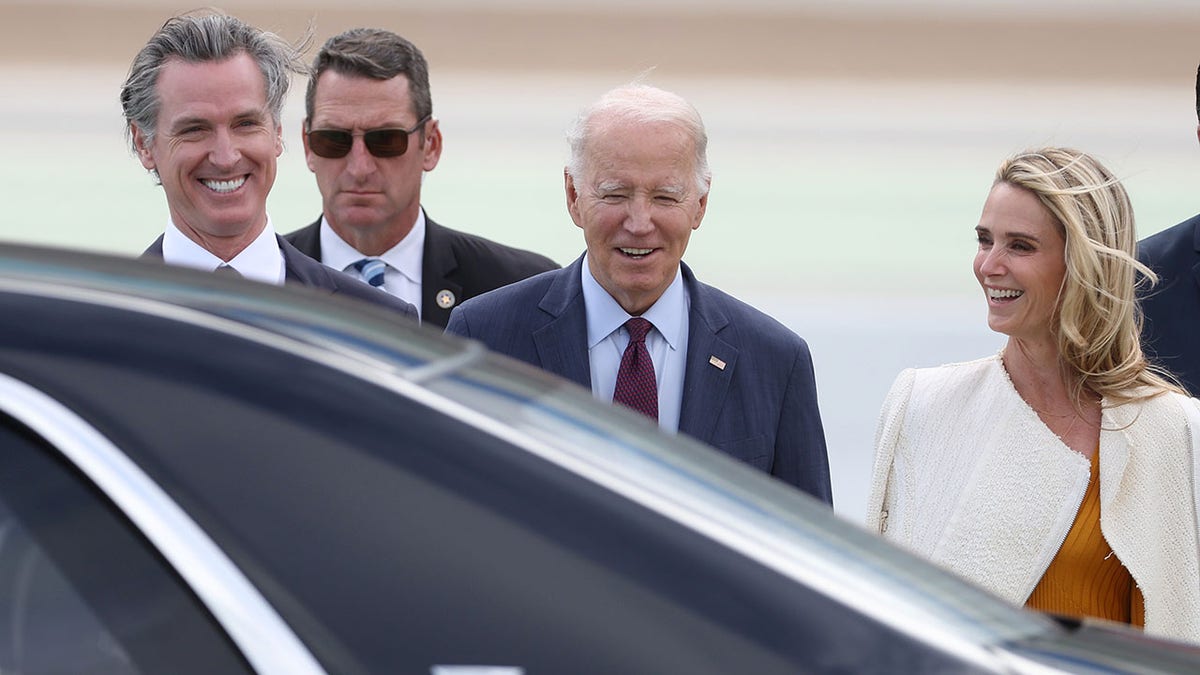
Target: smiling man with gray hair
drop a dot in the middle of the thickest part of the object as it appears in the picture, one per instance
(630, 321)
(202, 107)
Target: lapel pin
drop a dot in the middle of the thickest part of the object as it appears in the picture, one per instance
(445, 298)
(717, 362)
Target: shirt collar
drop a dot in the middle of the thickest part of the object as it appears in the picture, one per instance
(406, 257)
(261, 260)
(604, 315)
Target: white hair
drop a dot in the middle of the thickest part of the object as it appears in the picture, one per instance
(639, 103)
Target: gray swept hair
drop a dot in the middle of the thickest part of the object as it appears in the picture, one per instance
(197, 38)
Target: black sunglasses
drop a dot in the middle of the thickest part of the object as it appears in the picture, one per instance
(336, 143)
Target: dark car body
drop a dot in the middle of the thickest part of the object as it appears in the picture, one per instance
(211, 475)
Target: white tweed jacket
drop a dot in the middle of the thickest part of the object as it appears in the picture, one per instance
(966, 474)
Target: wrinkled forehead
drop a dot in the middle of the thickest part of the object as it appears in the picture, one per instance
(633, 153)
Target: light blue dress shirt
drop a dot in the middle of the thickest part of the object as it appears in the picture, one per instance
(667, 343)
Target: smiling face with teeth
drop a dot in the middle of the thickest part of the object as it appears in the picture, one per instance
(1020, 263)
(215, 150)
(637, 203)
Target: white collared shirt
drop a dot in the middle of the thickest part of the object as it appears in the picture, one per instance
(402, 278)
(667, 343)
(261, 260)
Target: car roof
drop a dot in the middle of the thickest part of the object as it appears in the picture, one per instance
(774, 524)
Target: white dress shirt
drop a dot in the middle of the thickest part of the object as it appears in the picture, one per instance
(261, 260)
(402, 278)
(667, 343)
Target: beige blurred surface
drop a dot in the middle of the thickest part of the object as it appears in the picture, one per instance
(1143, 43)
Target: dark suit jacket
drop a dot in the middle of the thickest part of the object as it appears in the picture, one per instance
(464, 264)
(761, 408)
(300, 269)
(1171, 335)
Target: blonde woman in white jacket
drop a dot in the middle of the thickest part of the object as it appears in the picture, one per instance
(1059, 473)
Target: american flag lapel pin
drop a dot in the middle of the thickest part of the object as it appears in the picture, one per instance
(717, 362)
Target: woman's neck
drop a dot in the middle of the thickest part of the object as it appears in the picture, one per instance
(1035, 370)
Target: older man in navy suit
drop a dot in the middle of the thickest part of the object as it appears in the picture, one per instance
(1171, 334)
(629, 320)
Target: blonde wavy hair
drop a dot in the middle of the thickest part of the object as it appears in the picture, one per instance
(1099, 322)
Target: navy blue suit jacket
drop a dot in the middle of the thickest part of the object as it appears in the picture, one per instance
(303, 270)
(761, 408)
(1171, 334)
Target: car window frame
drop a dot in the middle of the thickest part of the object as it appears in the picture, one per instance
(267, 642)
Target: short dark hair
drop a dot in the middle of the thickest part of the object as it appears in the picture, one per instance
(378, 54)
(198, 38)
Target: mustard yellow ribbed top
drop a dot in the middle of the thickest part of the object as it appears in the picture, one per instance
(1086, 578)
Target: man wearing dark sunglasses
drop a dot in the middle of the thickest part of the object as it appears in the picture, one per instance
(202, 105)
(369, 135)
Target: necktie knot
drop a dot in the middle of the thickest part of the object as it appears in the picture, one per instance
(638, 328)
(371, 270)
(227, 270)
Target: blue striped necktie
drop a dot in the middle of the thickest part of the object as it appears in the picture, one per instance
(371, 270)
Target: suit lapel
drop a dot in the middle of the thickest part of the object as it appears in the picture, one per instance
(562, 342)
(307, 239)
(296, 268)
(437, 266)
(711, 361)
(155, 249)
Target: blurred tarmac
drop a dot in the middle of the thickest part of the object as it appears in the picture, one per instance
(981, 41)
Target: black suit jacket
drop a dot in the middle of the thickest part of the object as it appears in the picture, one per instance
(303, 270)
(1171, 334)
(464, 264)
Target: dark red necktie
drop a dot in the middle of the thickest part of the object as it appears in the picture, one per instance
(636, 386)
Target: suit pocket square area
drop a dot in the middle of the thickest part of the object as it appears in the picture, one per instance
(755, 451)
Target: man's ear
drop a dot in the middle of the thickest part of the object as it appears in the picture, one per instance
(703, 203)
(143, 149)
(432, 148)
(572, 196)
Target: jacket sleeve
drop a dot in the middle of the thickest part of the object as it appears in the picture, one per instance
(800, 453)
(887, 437)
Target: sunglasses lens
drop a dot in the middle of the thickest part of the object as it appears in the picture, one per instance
(330, 143)
(386, 142)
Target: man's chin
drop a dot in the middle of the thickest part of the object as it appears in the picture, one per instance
(357, 217)
(230, 228)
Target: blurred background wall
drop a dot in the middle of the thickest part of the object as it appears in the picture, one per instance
(852, 142)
